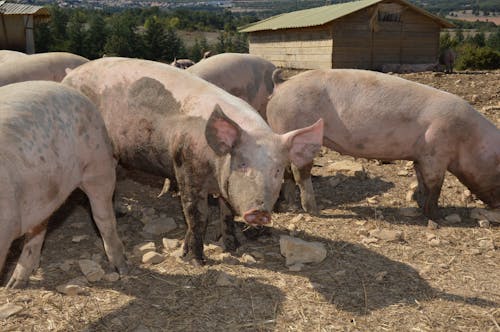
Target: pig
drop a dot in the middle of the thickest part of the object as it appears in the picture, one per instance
(379, 116)
(447, 59)
(50, 66)
(244, 75)
(182, 63)
(7, 55)
(53, 141)
(148, 108)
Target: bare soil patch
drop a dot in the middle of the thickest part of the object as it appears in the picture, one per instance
(416, 284)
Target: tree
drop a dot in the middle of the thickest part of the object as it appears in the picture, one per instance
(122, 39)
(154, 39)
(96, 37)
(77, 33)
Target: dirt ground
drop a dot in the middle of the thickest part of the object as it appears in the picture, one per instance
(445, 279)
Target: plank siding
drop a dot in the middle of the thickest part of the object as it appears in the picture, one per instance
(352, 42)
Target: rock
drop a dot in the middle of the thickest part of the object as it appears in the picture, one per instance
(248, 259)
(152, 257)
(66, 265)
(414, 185)
(349, 167)
(79, 238)
(368, 240)
(387, 235)
(372, 200)
(490, 215)
(486, 244)
(458, 82)
(334, 181)
(296, 267)
(257, 254)
(409, 212)
(453, 218)
(227, 258)
(166, 187)
(170, 244)
(430, 236)
(299, 251)
(143, 248)
(467, 196)
(380, 276)
(225, 280)
(178, 253)
(160, 226)
(111, 277)
(474, 98)
(91, 270)
(434, 242)
(296, 219)
(9, 309)
(431, 224)
(409, 165)
(70, 289)
(409, 195)
(403, 172)
(483, 223)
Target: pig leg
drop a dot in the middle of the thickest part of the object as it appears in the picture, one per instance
(288, 188)
(303, 179)
(10, 231)
(99, 187)
(30, 256)
(227, 226)
(430, 176)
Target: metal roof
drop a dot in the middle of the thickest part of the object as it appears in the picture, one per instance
(325, 14)
(7, 8)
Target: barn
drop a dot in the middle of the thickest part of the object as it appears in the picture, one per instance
(365, 34)
(16, 25)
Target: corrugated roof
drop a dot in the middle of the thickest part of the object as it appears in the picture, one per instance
(7, 8)
(322, 15)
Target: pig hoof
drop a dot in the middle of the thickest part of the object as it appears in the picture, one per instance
(122, 269)
(16, 283)
(230, 244)
(252, 233)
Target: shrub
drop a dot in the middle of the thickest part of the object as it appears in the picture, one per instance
(473, 57)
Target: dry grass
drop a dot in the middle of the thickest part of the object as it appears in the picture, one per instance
(384, 286)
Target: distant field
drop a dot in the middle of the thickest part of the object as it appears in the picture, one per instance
(467, 16)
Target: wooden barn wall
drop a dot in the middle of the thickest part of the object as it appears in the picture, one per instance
(420, 42)
(295, 48)
(12, 35)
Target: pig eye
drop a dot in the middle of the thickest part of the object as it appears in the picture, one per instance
(278, 172)
(243, 166)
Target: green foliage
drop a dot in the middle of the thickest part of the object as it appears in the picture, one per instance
(474, 57)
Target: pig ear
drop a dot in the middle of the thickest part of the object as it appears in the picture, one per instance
(221, 132)
(304, 143)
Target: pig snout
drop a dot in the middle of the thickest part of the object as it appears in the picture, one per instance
(257, 217)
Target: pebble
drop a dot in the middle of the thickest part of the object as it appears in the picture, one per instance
(380, 276)
(296, 267)
(486, 244)
(348, 166)
(483, 223)
(372, 200)
(453, 218)
(431, 224)
(296, 219)
(79, 238)
(170, 244)
(91, 270)
(435, 242)
(9, 309)
(248, 259)
(296, 250)
(66, 265)
(160, 226)
(387, 235)
(152, 257)
(368, 240)
(409, 212)
(403, 173)
(409, 195)
(143, 248)
(70, 289)
(225, 280)
(111, 277)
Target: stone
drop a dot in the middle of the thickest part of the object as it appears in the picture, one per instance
(483, 223)
(372, 200)
(430, 236)
(70, 289)
(227, 258)
(91, 270)
(475, 98)
(166, 187)
(111, 277)
(296, 267)
(66, 265)
(431, 224)
(296, 219)
(368, 240)
(248, 259)
(79, 238)
(225, 280)
(143, 248)
(387, 235)
(9, 309)
(493, 216)
(160, 226)
(152, 257)
(486, 244)
(414, 185)
(170, 244)
(257, 254)
(409, 195)
(435, 242)
(299, 251)
(403, 172)
(409, 212)
(349, 167)
(380, 276)
(453, 218)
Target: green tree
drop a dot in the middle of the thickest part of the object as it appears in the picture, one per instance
(154, 39)
(96, 36)
(122, 39)
(77, 33)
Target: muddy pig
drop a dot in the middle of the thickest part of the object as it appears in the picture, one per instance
(50, 66)
(53, 141)
(244, 75)
(234, 154)
(374, 115)
(447, 60)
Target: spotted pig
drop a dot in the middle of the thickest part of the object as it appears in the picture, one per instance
(148, 109)
(53, 140)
